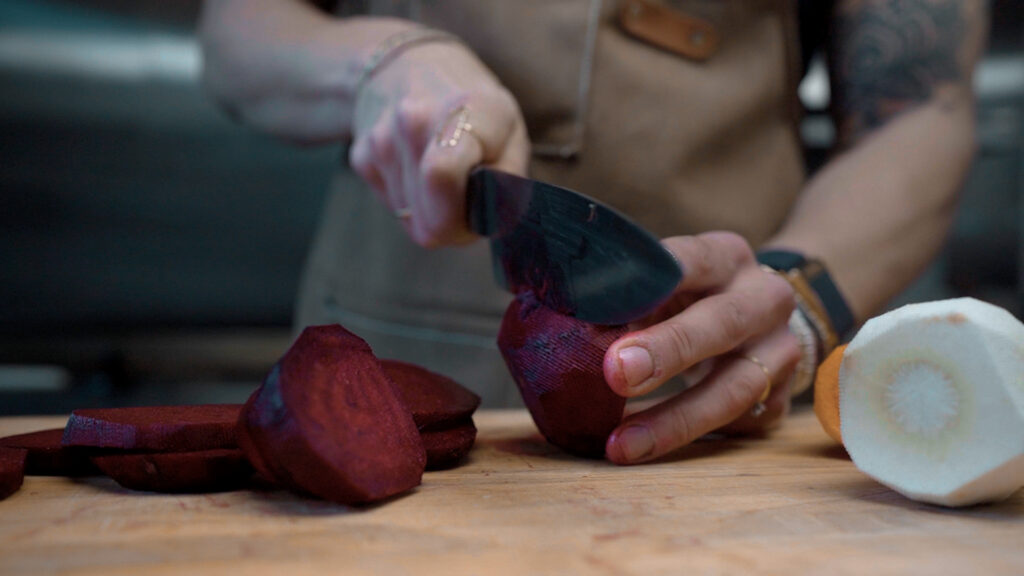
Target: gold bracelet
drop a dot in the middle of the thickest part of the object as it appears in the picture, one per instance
(393, 46)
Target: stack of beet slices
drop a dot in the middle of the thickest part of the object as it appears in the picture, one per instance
(330, 420)
(157, 448)
(441, 409)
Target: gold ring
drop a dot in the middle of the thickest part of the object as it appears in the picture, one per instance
(462, 126)
(403, 213)
(759, 407)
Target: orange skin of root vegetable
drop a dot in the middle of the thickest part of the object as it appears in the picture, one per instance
(826, 393)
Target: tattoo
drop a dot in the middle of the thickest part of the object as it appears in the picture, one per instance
(892, 55)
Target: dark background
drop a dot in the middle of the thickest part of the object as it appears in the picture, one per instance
(151, 249)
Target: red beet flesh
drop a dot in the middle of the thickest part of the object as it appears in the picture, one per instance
(446, 448)
(329, 422)
(12, 470)
(155, 428)
(435, 400)
(556, 360)
(178, 472)
(47, 457)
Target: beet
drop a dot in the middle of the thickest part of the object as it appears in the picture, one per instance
(177, 472)
(446, 447)
(433, 399)
(12, 470)
(47, 457)
(329, 422)
(248, 445)
(155, 428)
(556, 361)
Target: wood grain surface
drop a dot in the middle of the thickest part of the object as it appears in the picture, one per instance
(788, 503)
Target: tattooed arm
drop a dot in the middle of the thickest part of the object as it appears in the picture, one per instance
(879, 211)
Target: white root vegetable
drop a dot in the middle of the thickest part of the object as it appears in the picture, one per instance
(931, 401)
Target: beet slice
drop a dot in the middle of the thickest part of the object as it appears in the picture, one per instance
(447, 447)
(556, 361)
(12, 470)
(433, 399)
(329, 422)
(48, 457)
(248, 445)
(155, 428)
(178, 472)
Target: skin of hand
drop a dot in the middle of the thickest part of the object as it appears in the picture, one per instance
(421, 124)
(876, 214)
(726, 306)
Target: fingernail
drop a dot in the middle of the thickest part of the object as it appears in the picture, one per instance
(635, 442)
(636, 365)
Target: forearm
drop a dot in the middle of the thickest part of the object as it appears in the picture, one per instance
(902, 99)
(879, 213)
(285, 67)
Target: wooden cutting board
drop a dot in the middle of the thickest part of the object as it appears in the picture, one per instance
(789, 503)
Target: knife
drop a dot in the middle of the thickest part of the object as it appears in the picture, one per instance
(579, 256)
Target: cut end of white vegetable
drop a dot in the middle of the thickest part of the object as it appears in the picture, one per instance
(931, 400)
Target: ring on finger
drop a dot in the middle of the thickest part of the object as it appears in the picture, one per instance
(462, 126)
(760, 407)
(403, 213)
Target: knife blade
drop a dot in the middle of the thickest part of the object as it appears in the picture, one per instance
(579, 256)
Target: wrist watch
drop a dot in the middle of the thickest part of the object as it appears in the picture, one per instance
(813, 272)
(821, 319)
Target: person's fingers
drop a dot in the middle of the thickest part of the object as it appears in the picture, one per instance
(361, 161)
(755, 303)
(724, 396)
(515, 157)
(412, 133)
(708, 260)
(472, 134)
(386, 158)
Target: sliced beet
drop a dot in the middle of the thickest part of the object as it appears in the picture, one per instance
(556, 361)
(48, 457)
(329, 422)
(12, 470)
(178, 472)
(155, 428)
(248, 445)
(445, 448)
(433, 399)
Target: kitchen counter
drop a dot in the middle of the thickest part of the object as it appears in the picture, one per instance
(788, 503)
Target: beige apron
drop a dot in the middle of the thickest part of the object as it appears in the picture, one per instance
(686, 121)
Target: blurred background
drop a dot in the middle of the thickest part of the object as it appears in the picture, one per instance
(150, 249)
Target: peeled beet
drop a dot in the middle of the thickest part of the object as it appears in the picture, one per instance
(48, 457)
(12, 470)
(433, 399)
(556, 361)
(445, 448)
(329, 422)
(178, 472)
(155, 428)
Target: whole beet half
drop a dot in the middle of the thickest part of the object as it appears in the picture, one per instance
(556, 360)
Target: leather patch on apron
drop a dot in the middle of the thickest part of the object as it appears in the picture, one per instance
(660, 25)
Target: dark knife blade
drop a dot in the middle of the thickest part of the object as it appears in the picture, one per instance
(579, 256)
